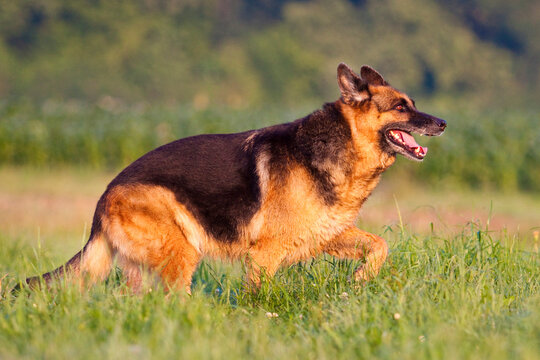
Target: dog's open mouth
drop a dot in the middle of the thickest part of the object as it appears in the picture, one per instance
(406, 142)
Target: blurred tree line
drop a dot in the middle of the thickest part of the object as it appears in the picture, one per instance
(241, 52)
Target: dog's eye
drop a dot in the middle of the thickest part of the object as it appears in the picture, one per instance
(399, 108)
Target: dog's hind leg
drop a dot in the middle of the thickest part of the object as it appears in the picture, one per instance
(354, 243)
(132, 272)
(177, 269)
(148, 227)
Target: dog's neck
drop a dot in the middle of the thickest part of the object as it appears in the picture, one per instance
(343, 155)
(369, 160)
(366, 139)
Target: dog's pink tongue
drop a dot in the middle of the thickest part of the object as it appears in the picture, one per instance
(410, 142)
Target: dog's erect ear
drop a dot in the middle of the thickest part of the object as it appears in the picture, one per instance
(371, 76)
(353, 88)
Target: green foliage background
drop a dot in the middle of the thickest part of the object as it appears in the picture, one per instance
(239, 52)
(493, 148)
(99, 83)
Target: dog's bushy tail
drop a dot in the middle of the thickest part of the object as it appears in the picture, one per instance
(93, 262)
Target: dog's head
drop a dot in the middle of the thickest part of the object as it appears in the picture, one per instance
(384, 114)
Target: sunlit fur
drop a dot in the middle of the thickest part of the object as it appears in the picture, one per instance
(284, 194)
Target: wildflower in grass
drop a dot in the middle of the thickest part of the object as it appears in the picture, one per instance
(397, 316)
(422, 338)
(344, 296)
(271, 315)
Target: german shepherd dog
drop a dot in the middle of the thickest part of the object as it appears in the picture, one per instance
(271, 196)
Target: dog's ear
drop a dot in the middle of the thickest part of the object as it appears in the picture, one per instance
(371, 76)
(353, 88)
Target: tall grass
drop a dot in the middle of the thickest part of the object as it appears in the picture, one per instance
(494, 149)
(475, 295)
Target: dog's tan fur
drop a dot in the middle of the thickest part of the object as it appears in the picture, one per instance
(146, 227)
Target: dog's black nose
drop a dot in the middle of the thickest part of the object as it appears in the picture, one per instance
(441, 123)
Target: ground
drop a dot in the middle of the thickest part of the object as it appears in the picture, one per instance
(451, 288)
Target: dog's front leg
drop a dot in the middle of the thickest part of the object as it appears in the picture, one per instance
(264, 258)
(354, 243)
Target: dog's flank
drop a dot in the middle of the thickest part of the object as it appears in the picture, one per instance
(270, 196)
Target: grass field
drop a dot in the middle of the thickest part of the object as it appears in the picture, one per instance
(451, 288)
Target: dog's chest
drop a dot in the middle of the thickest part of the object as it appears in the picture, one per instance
(302, 221)
(295, 215)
